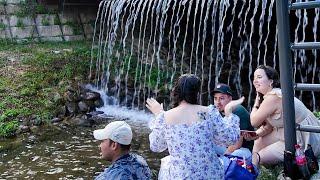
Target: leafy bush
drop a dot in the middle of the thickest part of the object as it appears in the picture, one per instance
(29, 95)
(8, 128)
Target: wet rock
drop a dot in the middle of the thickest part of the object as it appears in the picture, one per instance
(72, 107)
(70, 96)
(37, 121)
(98, 103)
(82, 120)
(79, 101)
(91, 96)
(71, 89)
(95, 113)
(56, 119)
(32, 139)
(24, 129)
(34, 129)
(61, 112)
(83, 107)
(100, 119)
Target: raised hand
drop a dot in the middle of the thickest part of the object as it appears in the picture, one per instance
(154, 106)
(231, 105)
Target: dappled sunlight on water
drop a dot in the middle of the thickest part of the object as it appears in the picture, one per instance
(66, 153)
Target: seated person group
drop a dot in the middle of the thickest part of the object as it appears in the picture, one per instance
(198, 138)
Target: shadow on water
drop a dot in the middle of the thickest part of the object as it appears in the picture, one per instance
(65, 153)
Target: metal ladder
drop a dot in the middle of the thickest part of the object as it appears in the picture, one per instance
(285, 62)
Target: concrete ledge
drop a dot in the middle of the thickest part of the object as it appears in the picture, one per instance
(14, 1)
(5, 33)
(88, 29)
(57, 38)
(28, 40)
(68, 17)
(49, 31)
(67, 30)
(26, 21)
(73, 38)
(2, 10)
(72, 24)
(4, 20)
(25, 32)
(12, 8)
(89, 36)
(50, 19)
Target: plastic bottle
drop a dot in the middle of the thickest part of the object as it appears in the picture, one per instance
(301, 162)
(311, 159)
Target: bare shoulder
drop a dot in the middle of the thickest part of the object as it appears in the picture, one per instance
(203, 108)
(272, 98)
(271, 102)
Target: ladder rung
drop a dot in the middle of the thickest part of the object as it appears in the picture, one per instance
(304, 5)
(307, 87)
(308, 128)
(305, 45)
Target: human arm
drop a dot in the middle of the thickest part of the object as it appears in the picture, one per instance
(235, 146)
(261, 112)
(226, 129)
(157, 135)
(264, 129)
(231, 106)
(154, 106)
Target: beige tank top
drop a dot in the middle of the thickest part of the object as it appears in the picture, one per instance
(301, 111)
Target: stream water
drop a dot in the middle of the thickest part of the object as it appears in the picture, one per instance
(62, 152)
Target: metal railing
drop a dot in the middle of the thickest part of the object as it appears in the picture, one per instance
(286, 79)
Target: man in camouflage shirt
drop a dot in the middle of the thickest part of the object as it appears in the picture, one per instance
(115, 144)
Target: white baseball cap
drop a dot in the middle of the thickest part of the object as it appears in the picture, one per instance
(117, 131)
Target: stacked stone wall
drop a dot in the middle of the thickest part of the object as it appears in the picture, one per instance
(22, 20)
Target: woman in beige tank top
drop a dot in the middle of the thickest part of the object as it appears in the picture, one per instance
(267, 116)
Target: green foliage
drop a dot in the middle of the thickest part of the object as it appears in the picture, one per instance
(24, 10)
(267, 173)
(40, 9)
(30, 8)
(8, 128)
(45, 21)
(56, 20)
(2, 26)
(76, 28)
(3, 2)
(30, 95)
(20, 23)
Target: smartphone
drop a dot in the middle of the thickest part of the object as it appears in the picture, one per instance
(251, 133)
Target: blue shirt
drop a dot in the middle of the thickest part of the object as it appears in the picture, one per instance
(127, 167)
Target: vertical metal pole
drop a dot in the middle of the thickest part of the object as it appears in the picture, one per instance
(285, 61)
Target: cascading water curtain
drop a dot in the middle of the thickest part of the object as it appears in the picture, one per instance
(141, 46)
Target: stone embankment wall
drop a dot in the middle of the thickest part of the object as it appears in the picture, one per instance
(21, 20)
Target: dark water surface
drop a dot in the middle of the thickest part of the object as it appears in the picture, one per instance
(65, 153)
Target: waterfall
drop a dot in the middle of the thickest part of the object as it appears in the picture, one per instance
(314, 52)
(140, 47)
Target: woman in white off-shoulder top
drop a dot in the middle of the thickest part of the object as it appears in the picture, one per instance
(190, 131)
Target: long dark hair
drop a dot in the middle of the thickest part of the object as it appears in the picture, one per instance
(185, 88)
(273, 75)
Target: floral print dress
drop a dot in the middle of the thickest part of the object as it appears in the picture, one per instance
(191, 147)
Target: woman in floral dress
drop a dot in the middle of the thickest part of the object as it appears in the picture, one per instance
(190, 132)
